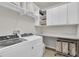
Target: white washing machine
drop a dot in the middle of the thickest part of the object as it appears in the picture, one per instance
(37, 44)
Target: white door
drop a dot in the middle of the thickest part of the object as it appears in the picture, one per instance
(57, 15)
(73, 13)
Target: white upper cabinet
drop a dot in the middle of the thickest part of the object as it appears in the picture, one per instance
(62, 14)
(36, 10)
(73, 13)
(15, 3)
(30, 9)
(15, 6)
(51, 16)
(57, 16)
(24, 8)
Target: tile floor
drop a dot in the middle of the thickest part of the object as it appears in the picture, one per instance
(50, 53)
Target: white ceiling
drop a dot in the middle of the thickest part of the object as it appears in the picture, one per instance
(44, 5)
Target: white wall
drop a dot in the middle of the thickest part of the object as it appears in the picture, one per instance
(61, 29)
(39, 30)
(11, 20)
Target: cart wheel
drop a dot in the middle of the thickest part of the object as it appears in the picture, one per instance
(55, 54)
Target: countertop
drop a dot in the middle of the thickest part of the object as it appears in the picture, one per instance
(61, 36)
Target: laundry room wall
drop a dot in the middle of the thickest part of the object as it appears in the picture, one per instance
(11, 20)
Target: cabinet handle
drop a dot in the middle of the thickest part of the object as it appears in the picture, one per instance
(32, 47)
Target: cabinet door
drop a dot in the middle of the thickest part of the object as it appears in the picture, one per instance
(37, 50)
(28, 7)
(51, 16)
(22, 4)
(62, 14)
(36, 10)
(16, 3)
(73, 13)
(57, 16)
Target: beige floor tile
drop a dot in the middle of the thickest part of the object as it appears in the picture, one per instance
(50, 53)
